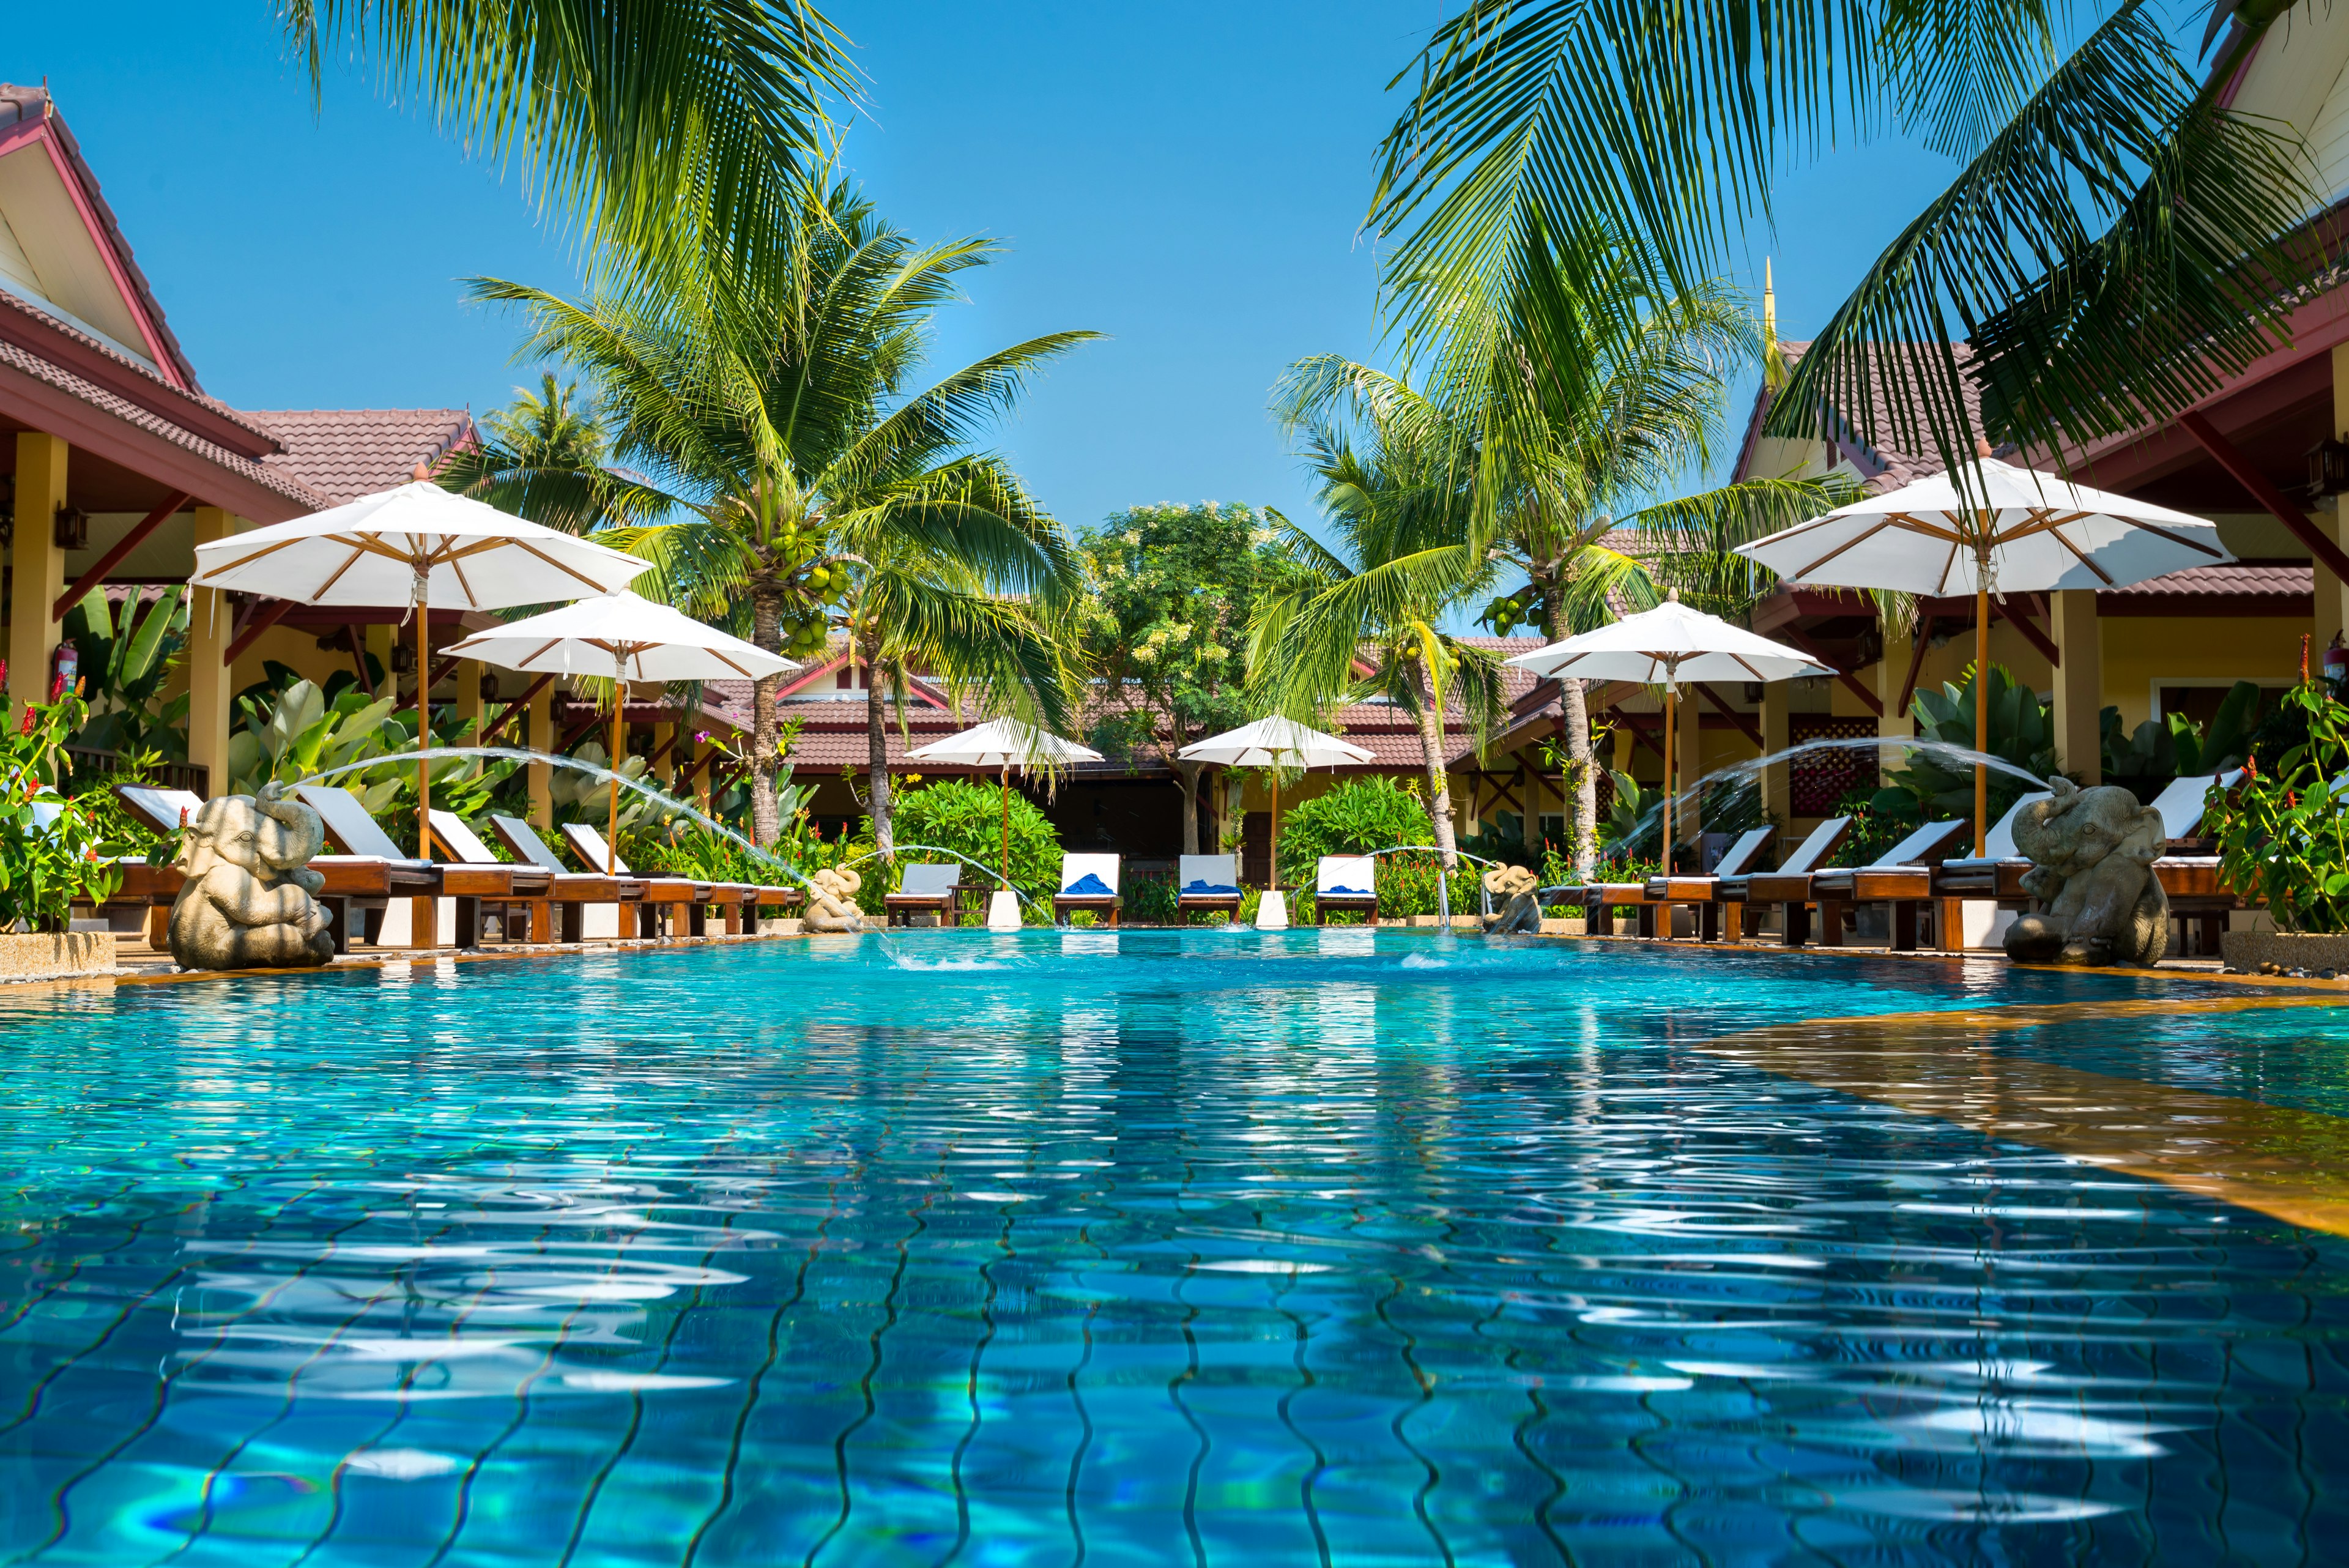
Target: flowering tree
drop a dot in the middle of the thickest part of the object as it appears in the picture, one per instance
(1167, 622)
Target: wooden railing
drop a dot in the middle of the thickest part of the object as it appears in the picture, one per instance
(88, 762)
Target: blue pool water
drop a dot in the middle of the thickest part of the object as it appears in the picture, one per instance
(1151, 1248)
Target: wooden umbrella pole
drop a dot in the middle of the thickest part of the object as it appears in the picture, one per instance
(1007, 824)
(423, 722)
(1982, 708)
(1272, 874)
(619, 738)
(1671, 707)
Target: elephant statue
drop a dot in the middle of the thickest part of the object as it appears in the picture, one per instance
(2095, 899)
(1522, 909)
(832, 901)
(248, 901)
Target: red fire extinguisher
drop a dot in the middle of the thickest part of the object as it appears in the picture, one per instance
(65, 667)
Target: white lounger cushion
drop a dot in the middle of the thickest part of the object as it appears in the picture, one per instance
(1075, 868)
(927, 879)
(2181, 804)
(361, 836)
(163, 809)
(1357, 874)
(593, 852)
(1211, 870)
(462, 841)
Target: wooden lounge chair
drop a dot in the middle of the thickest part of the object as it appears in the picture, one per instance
(1346, 884)
(163, 810)
(573, 892)
(682, 901)
(369, 873)
(1207, 883)
(926, 888)
(527, 892)
(1901, 877)
(1665, 893)
(1792, 880)
(2198, 900)
(1994, 876)
(1088, 882)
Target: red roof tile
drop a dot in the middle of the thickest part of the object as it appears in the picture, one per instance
(2250, 578)
(345, 454)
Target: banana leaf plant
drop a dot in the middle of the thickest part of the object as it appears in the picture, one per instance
(127, 659)
(1939, 787)
(2174, 746)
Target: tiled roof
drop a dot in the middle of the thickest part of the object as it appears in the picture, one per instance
(2254, 577)
(345, 454)
(164, 392)
(1902, 450)
(283, 484)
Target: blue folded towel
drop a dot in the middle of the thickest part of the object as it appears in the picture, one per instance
(1088, 886)
(1348, 892)
(1207, 889)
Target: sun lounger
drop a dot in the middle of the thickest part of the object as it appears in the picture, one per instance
(2198, 900)
(1790, 885)
(1667, 892)
(527, 891)
(1901, 877)
(1088, 882)
(682, 901)
(164, 810)
(575, 892)
(1346, 884)
(1208, 882)
(926, 888)
(1995, 876)
(369, 873)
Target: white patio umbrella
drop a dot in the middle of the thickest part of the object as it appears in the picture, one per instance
(1274, 743)
(1663, 647)
(422, 546)
(631, 638)
(2018, 531)
(1004, 745)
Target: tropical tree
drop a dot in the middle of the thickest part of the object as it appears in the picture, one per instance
(1166, 623)
(1363, 619)
(543, 457)
(679, 130)
(2118, 242)
(767, 457)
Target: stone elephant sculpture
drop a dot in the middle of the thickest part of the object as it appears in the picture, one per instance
(1521, 912)
(249, 902)
(832, 901)
(2096, 899)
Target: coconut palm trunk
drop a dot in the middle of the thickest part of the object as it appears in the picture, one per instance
(766, 738)
(1439, 777)
(1583, 775)
(1186, 779)
(876, 752)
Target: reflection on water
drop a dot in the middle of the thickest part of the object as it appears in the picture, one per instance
(1133, 1248)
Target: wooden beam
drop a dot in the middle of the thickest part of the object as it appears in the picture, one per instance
(2241, 469)
(442, 671)
(515, 709)
(578, 732)
(96, 575)
(2020, 619)
(1753, 730)
(1801, 639)
(264, 617)
(1917, 660)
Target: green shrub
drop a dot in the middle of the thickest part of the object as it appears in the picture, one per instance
(967, 818)
(2022, 731)
(1149, 899)
(2284, 832)
(1360, 816)
(45, 868)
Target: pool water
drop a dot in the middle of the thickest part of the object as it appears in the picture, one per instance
(1130, 1247)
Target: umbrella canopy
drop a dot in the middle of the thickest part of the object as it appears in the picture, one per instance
(376, 551)
(1663, 647)
(623, 635)
(2018, 531)
(628, 638)
(1667, 645)
(2022, 532)
(1004, 743)
(1274, 743)
(419, 545)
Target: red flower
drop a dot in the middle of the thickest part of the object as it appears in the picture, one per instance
(57, 687)
(27, 728)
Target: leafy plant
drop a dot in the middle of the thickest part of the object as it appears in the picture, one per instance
(1503, 838)
(1880, 818)
(1358, 816)
(2174, 746)
(127, 659)
(2284, 831)
(2022, 731)
(1635, 820)
(302, 734)
(967, 818)
(53, 852)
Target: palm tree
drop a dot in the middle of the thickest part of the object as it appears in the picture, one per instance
(1363, 620)
(1592, 391)
(782, 479)
(533, 455)
(2118, 242)
(678, 129)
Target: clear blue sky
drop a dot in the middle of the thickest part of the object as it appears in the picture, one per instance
(1187, 180)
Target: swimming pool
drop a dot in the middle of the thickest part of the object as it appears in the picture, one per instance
(1142, 1248)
